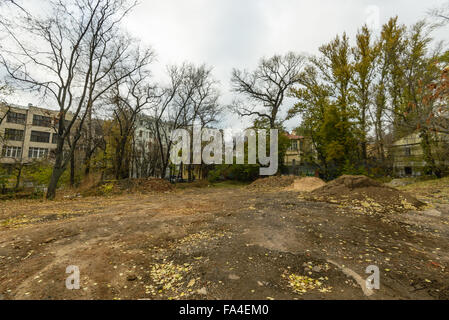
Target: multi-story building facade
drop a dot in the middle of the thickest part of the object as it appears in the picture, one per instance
(293, 154)
(408, 155)
(146, 160)
(146, 152)
(27, 133)
(298, 156)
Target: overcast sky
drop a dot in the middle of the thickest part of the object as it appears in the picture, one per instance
(228, 34)
(237, 33)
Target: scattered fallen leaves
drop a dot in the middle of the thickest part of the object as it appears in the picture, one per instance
(303, 284)
(168, 279)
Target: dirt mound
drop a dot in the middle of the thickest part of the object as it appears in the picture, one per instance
(346, 184)
(152, 185)
(272, 182)
(306, 184)
(145, 185)
(366, 194)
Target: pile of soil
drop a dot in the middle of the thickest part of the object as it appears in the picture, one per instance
(145, 185)
(151, 185)
(272, 182)
(365, 193)
(306, 184)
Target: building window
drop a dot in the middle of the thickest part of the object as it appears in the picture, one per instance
(41, 121)
(12, 152)
(408, 151)
(36, 153)
(14, 117)
(66, 123)
(294, 145)
(38, 136)
(14, 134)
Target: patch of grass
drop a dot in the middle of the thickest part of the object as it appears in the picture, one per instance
(429, 183)
(383, 179)
(428, 186)
(107, 188)
(433, 190)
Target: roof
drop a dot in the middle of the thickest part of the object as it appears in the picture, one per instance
(293, 136)
(28, 107)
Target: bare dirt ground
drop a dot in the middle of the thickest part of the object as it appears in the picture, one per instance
(220, 243)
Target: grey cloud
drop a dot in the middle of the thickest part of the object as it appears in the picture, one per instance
(237, 33)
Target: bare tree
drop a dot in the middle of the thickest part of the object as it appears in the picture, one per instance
(129, 99)
(5, 91)
(13, 3)
(191, 98)
(68, 57)
(440, 15)
(93, 138)
(205, 108)
(167, 114)
(266, 87)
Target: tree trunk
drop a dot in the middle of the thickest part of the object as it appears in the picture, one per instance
(189, 165)
(364, 152)
(87, 166)
(426, 145)
(118, 164)
(380, 144)
(57, 172)
(164, 169)
(19, 175)
(272, 123)
(120, 154)
(72, 170)
(364, 134)
(88, 154)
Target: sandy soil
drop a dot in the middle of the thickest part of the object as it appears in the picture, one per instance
(219, 243)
